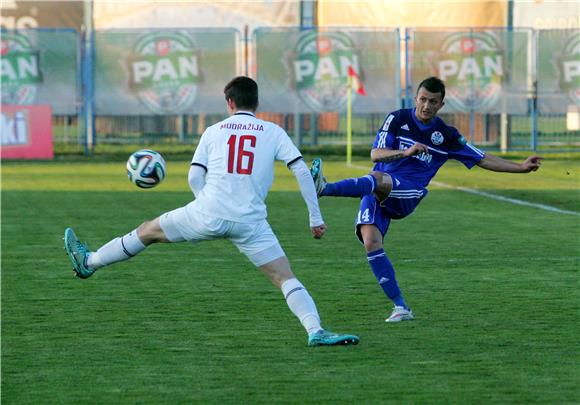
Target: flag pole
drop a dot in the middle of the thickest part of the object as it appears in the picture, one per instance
(349, 120)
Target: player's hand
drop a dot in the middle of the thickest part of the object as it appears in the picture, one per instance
(532, 164)
(416, 149)
(318, 231)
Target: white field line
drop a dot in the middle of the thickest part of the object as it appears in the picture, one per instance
(497, 197)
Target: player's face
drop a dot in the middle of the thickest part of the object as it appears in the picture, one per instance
(428, 104)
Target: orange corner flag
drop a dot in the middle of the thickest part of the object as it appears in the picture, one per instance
(357, 83)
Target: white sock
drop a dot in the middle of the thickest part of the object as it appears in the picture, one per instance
(301, 304)
(117, 250)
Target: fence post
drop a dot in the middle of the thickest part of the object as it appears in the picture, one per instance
(534, 88)
(408, 78)
(88, 85)
(399, 88)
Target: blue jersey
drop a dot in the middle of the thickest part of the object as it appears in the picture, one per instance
(401, 129)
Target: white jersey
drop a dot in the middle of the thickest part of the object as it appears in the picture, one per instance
(238, 154)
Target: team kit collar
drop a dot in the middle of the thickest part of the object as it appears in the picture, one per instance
(245, 113)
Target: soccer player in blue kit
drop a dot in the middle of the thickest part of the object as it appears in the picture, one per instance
(409, 148)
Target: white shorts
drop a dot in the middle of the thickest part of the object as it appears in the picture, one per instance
(256, 240)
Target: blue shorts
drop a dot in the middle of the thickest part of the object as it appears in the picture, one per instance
(402, 201)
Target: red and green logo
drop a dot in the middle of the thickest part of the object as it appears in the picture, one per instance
(20, 72)
(318, 69)
(472, 67)
(164, 72)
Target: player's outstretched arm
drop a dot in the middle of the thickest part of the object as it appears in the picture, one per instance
(308, 191)
(497, 164)
(386, 154)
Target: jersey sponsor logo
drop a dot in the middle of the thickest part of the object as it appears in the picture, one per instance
(319, 69)
(437, 138)
(569, 69)
(164, 71)
(423, 157)
(472, 66)
(20, 72)
(405, 127)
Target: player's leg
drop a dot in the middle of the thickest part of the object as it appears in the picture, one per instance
(127, 246)
(260, 245)
(85, 262)
(372, 224)
(374, 182)
(302, 305)
(297, 297)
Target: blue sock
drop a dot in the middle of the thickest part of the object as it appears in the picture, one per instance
(385, 274)
(357, 187)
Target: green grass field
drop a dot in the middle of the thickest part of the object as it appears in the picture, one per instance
(494, 287)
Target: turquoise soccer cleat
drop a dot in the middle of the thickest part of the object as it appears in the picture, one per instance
(327, 338)
(317, 176)
(77, 252)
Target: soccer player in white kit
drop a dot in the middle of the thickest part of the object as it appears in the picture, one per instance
(231, 173)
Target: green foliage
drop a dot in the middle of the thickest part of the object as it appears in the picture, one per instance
(493, 286)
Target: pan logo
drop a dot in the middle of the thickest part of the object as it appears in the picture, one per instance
(569, 69)
(319, 69)
(20, 72)
(164, 72)
(472, 67)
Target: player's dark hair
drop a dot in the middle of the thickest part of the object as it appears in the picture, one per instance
(243, 91)
(433, 85)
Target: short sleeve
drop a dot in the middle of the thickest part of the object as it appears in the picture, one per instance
(466, 153)
(200, 157)
(286, 151)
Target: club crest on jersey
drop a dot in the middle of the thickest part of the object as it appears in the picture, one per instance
(437, 138)
(20, 73)
(472, 66)
(164, 71)
(318, 69)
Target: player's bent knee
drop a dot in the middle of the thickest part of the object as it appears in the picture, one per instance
(150, 232)
(278, 271)
(371, 238)
(384, 185)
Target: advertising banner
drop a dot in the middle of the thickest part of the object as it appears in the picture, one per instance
(26, 132)
(307, 71)
(416, 13)
(23, 14)
(164, 72)
(110, 14)
(558, 71)
(486, 71)
(38, 65)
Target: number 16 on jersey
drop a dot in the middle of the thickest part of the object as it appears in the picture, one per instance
(240, 154)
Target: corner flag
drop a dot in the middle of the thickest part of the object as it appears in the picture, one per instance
(353, 83)
(357, 84)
